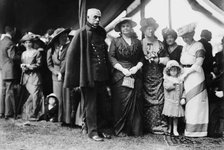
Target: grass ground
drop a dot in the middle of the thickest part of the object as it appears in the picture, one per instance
(51, 136)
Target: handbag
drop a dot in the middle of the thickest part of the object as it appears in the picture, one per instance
(128, 82)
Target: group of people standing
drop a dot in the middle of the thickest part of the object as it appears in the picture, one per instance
(137, 86)
(141, 72)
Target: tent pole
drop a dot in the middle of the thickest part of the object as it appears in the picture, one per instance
(142, 12)
(82, 13)
(169, 14)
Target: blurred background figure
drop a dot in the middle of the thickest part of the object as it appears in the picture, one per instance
(56, 54)
(8, 73)
(30, 78)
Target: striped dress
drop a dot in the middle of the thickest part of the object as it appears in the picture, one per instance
(196, 110)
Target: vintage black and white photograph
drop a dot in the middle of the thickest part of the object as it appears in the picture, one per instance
(111, 74)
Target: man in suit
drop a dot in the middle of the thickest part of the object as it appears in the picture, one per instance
(87, 66)
(7, 56)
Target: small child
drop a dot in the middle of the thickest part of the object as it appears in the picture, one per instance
(173, 90)
(51, 109)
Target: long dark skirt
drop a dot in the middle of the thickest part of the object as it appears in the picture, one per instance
(127, 108)
(154, 121)
(72, 107)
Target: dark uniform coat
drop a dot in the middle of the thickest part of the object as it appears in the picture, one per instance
(78, 64)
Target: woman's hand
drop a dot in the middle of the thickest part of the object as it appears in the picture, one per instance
(133, 70)
(59, 75)
(126, 72)
(156, 60)
(24, 67)
(183, 76)
(183, 101)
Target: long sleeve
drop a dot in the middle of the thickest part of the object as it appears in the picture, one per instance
(63, 62)
(112, 53)
(50, 62)
(62, 70)
(11, 51)
(37, 63)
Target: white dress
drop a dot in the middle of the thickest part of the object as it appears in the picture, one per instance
(196, 110)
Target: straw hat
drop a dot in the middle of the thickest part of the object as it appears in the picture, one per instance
(57, 33)
(172, 63)
(52, 95)
(28, 37)
(117, 27)
(186, 29)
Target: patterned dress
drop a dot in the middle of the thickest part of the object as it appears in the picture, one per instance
(153, 92)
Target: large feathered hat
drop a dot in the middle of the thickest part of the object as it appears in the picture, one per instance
(148, 22)
(57, 33)
(186, 29)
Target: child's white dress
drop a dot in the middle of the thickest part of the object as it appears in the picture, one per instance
(173, 94)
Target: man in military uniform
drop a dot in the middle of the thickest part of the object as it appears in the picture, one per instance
(87, 66)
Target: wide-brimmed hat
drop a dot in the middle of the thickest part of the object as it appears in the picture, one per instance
(186, 29)
(168, 31)
(170, 64)
(52, 95)
(117, 27)
(57, 33)
(40, 42)
(148, 22)
(28, 37)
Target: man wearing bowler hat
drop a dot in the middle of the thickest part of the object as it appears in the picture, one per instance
(87, 66)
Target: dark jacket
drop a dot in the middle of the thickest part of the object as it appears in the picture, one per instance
(56, 62)
(7, 57)
(208, 62)
(79, 70)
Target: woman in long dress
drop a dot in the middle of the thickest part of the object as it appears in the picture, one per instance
(126, 58)
(156, 58)
(196, 109)
(56, 63)
(31, 79)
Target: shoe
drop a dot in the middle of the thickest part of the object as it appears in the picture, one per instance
(1, 116)
(33, 118)
(105, 135)
(122, 134)
(6, 117)
(96, 138)
(175, 133)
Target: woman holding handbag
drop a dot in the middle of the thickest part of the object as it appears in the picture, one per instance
(126, 57)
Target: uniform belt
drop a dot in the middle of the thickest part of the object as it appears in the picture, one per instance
(186, 66)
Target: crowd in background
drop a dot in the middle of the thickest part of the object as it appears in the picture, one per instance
(132, 87)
